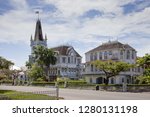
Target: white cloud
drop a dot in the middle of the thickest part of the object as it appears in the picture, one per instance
(19, 4)
(17, 25)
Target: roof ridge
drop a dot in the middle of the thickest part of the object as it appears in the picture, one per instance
(110, 45)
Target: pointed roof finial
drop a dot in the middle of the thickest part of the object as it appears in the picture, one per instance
(45, 37)
(38, 13)
(31, 38)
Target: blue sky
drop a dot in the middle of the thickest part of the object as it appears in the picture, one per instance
(84, 24)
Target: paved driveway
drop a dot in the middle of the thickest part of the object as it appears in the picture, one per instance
(76, 94)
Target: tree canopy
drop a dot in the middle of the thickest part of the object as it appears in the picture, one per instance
(111, 68)
(28, 64)
(44, 57)
(4, 63)
(5, 68)
(145, 63)
(35, 72)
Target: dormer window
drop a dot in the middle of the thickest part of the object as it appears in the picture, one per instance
(71, 53)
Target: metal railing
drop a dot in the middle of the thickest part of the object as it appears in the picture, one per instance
(53, 93)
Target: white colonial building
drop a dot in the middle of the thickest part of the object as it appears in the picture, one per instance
(112, 50)
(68, 63)
(68, 60)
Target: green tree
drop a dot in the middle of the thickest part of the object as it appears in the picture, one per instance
(44, 57)
(5, 71)
(144, 62)
(35, 72)
(28, 64)
(111, 68)
(4, 63)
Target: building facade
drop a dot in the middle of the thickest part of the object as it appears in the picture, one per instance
(68, 60)
(112, 50)
(68, 63)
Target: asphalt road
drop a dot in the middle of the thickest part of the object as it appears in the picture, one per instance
(76, 94)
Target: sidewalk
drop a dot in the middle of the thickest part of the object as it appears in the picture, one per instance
(77, 94)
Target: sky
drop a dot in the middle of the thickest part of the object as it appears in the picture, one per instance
(83, 24)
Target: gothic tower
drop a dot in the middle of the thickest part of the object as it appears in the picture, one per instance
(37, 40)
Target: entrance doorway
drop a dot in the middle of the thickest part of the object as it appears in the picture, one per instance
(99, 80)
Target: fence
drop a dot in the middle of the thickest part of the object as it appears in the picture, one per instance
(35, 95)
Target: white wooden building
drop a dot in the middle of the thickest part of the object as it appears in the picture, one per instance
(112, 50)
(68, 63)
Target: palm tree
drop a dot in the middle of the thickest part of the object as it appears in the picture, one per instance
(44, 57)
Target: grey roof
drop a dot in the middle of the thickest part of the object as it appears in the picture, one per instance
(64, 50)
(38, 31)
(111, 45)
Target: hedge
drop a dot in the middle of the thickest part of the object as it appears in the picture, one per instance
(43, 83)
(6, 81)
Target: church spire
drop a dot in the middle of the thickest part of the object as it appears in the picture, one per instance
(31, 38)
(38, 31)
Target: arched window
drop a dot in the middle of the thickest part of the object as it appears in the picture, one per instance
(128, 54)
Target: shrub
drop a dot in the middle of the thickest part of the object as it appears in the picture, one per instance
(6, 81)
(138, 84)
(43, 83)
(76, 82)
(40, 79)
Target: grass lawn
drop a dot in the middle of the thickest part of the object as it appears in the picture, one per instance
(14, 95)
